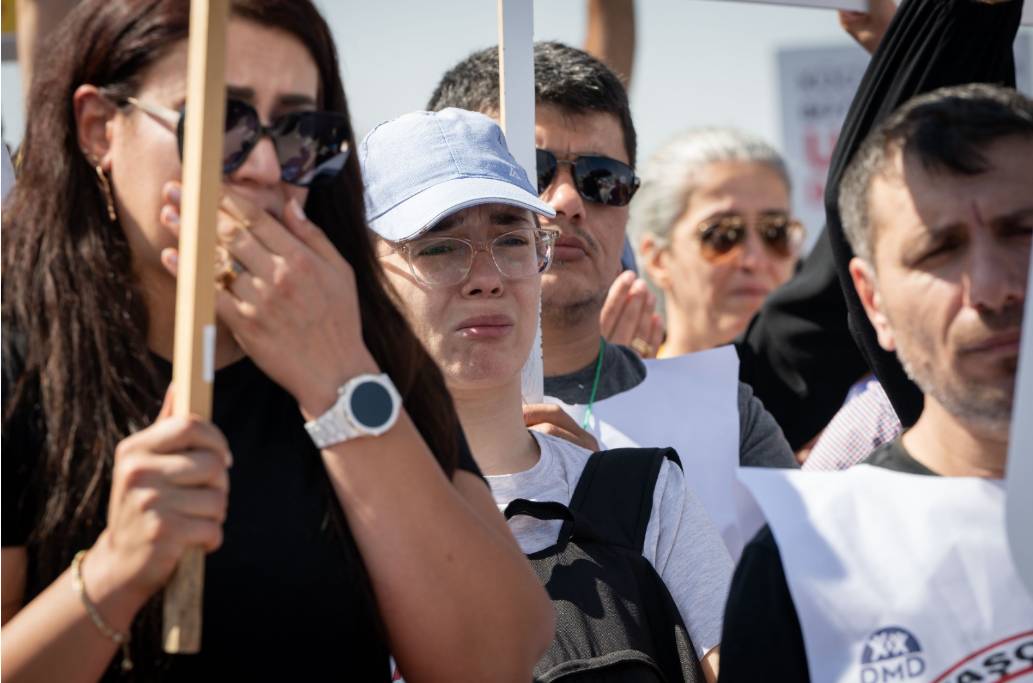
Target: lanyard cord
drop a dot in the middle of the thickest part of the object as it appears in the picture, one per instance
(595, 384)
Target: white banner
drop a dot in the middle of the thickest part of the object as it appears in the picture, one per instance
(817, 86)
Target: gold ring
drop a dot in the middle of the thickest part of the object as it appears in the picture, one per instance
(229, 272)
(642, 347)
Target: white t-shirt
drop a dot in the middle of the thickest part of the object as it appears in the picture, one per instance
(681, 542)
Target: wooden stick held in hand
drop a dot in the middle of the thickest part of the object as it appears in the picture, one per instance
(193, 365)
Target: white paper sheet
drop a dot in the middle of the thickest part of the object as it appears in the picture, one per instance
(899, 577)
(691, 404)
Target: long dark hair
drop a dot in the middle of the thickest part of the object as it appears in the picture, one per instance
(70, 295)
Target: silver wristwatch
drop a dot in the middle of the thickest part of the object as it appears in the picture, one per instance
(367, 405)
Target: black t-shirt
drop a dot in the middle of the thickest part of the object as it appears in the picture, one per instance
(621, 370)
(761, 639)
(282, 596)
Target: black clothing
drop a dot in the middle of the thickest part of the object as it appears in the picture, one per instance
(799, 354)
(928, 45)
(622, 370)
(615, 619)
(284, 596)
(762, 638)
(893, 456)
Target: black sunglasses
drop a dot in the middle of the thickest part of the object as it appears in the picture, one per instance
(597, 178)
(310, 145)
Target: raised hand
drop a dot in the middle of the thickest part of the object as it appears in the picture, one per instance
(629, 316)
(868, 28)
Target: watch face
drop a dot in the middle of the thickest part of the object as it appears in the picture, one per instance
(371, 404)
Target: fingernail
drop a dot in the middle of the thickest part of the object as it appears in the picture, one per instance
(170, 257)
(170, 215)
(173, 192)
(295, 207)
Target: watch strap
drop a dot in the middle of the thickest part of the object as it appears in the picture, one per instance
(338, 424)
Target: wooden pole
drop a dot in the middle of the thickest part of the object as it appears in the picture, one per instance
(516, 116)
(193, 365)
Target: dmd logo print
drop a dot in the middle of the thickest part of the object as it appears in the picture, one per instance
(891, 654)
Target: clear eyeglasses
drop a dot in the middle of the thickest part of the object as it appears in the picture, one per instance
(445, 261)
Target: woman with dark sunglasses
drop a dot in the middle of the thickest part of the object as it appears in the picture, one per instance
(333, 489)
(714, 232)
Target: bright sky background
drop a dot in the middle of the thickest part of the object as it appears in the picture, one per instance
(697, 61)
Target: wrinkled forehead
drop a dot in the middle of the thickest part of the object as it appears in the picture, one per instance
(909, 199)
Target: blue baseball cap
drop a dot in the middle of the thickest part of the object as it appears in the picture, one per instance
(424, 166)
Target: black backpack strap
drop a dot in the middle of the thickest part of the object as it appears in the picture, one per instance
(573, 525)
(615, 493)
(538, 509)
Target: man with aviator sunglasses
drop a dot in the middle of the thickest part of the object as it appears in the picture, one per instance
(586, 153)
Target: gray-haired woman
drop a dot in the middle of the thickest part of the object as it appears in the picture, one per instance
(714, 232)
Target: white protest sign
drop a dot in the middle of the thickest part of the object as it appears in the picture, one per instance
(1019, 481)
(817, 86)
(516, 114)
(689, 403)
(899, 577)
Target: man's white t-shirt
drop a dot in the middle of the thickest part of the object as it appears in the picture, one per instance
(681, 542)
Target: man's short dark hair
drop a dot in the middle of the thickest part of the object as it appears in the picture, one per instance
(946, 130)
(570, 79)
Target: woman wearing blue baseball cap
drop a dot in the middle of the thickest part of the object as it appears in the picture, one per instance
(462, 246)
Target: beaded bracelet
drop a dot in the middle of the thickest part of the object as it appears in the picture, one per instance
(121, 639)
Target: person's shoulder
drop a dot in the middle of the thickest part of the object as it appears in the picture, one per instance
(763, 544)
(560, 446)
(625, 356)
(893, 456)
(624, 365)
(559, 453)
(761, 441)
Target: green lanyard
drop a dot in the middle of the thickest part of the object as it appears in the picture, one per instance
(595, 384)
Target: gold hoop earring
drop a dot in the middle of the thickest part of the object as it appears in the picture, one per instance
(105, 188)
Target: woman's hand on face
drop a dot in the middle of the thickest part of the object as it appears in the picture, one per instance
(553, 420)
(168, 493)
(292, 306)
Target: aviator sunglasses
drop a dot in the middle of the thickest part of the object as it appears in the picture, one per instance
(722, 236)
(597, 178)
(310, 145)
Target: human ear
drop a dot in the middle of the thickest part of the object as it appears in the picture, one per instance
(654, 260)
(863, 275)
(93, 118)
